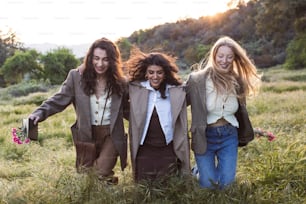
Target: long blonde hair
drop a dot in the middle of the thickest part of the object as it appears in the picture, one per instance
(242, 76)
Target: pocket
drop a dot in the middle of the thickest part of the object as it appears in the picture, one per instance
(232, 131)
(85, 154)
(198, 137)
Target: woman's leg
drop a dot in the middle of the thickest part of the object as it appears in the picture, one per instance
(207, 169)
(227, 156)
(106, 153)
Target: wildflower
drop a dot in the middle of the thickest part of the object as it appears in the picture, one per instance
(263, 133)
(19, 136)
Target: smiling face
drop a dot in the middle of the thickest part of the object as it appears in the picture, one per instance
(100, 61)
(224, 57)
(156, 75)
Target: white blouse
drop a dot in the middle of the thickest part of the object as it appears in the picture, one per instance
(163, 109)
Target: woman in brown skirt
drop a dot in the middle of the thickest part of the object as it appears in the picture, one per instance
(158, 117)
(98, 90)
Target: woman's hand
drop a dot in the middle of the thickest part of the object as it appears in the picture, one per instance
(35, 118)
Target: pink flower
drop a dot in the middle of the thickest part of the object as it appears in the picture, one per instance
(27, 140)
(14, 130)
(19, 137)
(263, 133)
(271, 137)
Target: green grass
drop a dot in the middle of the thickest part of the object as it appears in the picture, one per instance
(268, 172)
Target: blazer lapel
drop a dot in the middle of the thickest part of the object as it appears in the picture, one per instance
(85, 107)
(177, 98)
(139, 97)
(201, 88)
(115, 107)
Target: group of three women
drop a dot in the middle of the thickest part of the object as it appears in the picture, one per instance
(154, 101)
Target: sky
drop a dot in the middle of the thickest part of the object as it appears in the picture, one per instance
(72, 22)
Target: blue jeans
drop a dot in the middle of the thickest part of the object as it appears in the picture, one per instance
(217, 166)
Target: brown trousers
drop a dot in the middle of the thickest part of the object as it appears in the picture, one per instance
(100, 154)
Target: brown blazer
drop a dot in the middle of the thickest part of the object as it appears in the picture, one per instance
(72, 93)
(196, 97)
(138, 109)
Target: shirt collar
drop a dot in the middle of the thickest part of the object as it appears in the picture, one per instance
(147, 85)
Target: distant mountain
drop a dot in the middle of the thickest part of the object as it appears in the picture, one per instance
(78, 50)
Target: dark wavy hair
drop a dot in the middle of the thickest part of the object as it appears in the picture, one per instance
(139, 62)
(114, 74)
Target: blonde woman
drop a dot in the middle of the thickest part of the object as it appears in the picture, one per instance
(215, 94)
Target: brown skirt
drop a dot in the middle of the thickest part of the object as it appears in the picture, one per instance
(106, 153)
(154, 162)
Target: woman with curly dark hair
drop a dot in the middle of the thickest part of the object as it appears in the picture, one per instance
(97, 90)
(158, 117)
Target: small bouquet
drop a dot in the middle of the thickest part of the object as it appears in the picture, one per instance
(263, 133)
(24, 134)
(19, 136)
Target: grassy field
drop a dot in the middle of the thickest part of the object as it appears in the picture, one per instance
(268, 172)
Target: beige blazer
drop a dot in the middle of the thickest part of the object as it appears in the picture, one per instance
(72, 93)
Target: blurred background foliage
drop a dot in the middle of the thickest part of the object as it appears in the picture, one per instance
(273, 32)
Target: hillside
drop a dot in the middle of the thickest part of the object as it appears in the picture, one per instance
(264, 28)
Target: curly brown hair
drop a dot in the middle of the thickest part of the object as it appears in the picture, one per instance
(138, 63)
(114, 75)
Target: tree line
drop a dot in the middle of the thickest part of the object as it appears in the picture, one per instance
(18, 63)
(272, 31)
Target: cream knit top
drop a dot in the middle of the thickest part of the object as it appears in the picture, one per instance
(220, 106)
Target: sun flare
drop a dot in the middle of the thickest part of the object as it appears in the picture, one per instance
(215, 7)
(78, 22)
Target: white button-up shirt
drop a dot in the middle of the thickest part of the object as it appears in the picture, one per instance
(100, 107)
(163, 109)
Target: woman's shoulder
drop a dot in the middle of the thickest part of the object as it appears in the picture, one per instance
(135, 83)
(201, 72)
(198, 75)
(74, 72)
(80, 69)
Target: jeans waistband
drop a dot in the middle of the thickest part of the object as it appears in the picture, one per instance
(218, 127)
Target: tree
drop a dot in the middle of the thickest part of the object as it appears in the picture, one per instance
(8, 45)
(22, 64)
(194, 54)
(125, 47)
(57, 64)
(277, 18)
(274, 19)
(296, 53)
